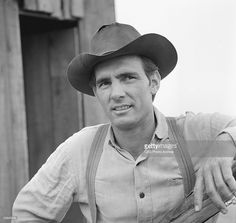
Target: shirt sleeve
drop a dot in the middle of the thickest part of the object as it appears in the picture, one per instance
(201, 130)
(206, 126)
(231, 131)
(49, 194)
(227, 137)
(223, 124)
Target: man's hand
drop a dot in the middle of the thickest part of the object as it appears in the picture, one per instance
(215, 178)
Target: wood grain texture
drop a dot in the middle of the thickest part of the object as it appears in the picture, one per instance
(77, 8)
(13, 149)
(80, 97)
(57, 8)
(30, 5)
(66, 9)
(45, 6)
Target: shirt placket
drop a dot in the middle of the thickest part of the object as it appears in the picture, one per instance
(143, 192)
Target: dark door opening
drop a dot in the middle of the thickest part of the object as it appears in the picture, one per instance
(51, 104)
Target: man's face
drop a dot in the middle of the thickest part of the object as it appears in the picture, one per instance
(124, 91)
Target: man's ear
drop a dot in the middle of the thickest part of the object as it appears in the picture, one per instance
(154, 83)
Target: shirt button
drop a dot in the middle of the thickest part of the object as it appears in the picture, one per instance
(141, 195)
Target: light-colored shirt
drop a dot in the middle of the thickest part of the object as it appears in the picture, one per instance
(127, 190)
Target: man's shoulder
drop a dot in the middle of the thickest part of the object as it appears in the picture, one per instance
(81, 141)
(86, 132)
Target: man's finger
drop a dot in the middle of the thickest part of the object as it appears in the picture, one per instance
(212, 193)
(221, 186)
(228, 176)
(198, 191)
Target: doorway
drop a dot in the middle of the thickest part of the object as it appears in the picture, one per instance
(51, 104)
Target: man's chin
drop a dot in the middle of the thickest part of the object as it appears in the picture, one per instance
(123, 124)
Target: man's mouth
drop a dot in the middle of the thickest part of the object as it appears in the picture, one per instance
(121, 107)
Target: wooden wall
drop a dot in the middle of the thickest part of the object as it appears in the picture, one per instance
(61, 9)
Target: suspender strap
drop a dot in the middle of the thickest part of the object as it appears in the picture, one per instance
(93, 161)
(182, 156)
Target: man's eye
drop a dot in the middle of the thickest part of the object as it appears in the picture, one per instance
(129, 77)
(103, 84)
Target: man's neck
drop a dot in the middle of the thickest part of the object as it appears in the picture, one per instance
(133, 140)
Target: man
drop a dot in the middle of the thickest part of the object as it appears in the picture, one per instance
(124, 70)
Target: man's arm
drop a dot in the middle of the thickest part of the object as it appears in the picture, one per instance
(216, 178)
(215, 171)
(49, 194)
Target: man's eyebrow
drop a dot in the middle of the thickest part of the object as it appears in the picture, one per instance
(121, 75)
(125, 74)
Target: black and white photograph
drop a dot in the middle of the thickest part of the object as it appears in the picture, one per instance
(115, 111)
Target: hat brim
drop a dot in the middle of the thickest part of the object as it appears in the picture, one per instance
(153, 46)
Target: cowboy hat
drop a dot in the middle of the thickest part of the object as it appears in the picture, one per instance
(115, 40)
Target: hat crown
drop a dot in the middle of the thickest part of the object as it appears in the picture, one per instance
(112, 37)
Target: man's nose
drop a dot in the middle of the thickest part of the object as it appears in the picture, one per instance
(117, 91)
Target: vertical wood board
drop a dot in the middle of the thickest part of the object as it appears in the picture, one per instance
(57, 8)
(13, 150)
(30, 5)
(45, 6)
(77, 8)
(61, 9)
(66, 9)
(80, 97)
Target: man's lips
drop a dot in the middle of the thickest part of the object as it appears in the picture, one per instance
(122, 107)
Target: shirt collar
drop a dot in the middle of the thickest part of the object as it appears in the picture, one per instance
(161, 131)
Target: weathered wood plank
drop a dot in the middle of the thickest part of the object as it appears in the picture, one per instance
(45, 6)
(57, 8)
(77, 8)
(66, 9)
(80, 97)
(13, 149)
(96, 13)
(30, 5)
